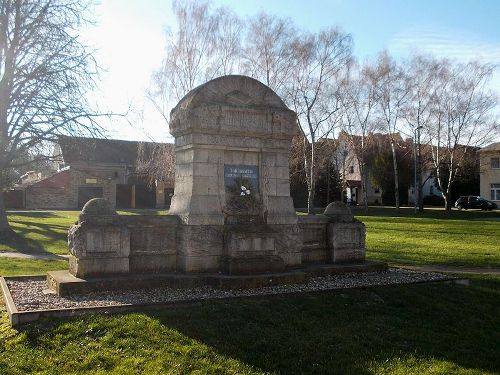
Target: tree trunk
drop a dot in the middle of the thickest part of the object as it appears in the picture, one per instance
(447, 205)
(308, 169)
(5, 229)
(420, 188)
(363, 186)
(311, 185)
(396, 176)
(328, 183)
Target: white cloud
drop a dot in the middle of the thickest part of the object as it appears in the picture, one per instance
(445, 42)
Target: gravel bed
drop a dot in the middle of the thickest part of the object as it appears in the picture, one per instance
(32, 293)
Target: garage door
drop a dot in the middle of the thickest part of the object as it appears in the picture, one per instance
(86, 193)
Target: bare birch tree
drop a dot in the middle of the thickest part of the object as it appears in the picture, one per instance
(45, 71)
(424, 74)
(228, 42)
(463, 119)
(156, 162)
(391, 94)
(358, 107)
(268, 53)
(314, 88)
(204, 45)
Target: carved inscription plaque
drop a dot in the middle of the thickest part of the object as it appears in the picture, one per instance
(238, 176)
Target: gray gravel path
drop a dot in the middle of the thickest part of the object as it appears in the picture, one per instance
(32, 293)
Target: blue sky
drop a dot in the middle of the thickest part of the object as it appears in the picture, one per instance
(129, 39)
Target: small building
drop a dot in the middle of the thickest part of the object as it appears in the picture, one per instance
(489, 175)
(97, 168)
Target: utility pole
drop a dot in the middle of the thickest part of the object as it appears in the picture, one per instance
(419, 172)
(417, 196)
(415, 170)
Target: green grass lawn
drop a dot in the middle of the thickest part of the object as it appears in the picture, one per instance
(466, 238)
(457, 238)
(40, 231)
(416, 240)
(431, 329)
(43, 232)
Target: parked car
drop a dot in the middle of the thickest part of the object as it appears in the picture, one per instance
(472, 201)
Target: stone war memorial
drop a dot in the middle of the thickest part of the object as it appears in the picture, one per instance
(232, 223)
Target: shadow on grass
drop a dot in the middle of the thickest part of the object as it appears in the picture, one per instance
(405, 329)
(352, 332)
(32, 237)
(37, 214)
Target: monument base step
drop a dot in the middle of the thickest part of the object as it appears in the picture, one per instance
(64, 283)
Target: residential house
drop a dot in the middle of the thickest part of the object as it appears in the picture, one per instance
(489, 176)
(96, 168)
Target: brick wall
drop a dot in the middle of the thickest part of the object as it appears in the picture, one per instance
(47, 198)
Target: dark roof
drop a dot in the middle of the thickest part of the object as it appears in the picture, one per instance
(98, 150)
(58, 180)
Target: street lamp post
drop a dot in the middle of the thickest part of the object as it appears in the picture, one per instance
(414, 170)
(416, 166)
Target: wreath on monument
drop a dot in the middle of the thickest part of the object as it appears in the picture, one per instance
(241, 197)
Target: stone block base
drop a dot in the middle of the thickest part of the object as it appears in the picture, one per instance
(64, 283)
(201, 263)
(347, 242)
(315, 254)
(98, 266)
(155, 263)
(199, 248)
(252, 265)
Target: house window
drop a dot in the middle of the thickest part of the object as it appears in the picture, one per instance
(376, 190)
(495, 163)
(495, 192)
(351, 169)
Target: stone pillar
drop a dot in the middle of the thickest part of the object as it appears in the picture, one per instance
(99, 242)
(232, 189)
(346, 235)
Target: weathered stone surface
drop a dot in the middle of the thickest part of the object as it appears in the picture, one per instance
(315, 247)
(339, 212)
(99, 243)
(234, 123)
(153, 243)
(347, 242)
(196, 243)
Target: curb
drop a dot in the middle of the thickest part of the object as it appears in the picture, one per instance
(17, 317)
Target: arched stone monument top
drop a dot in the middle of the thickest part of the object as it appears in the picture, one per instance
(231, 90)
(232, 106)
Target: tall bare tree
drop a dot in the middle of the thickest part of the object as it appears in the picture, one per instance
(156, 162)
(268, 53)
(424, 75)
(358, 107)
(463, 119)
(313, 90)
(392, 91)
(205, 44)
(45, 71)
(228, 41)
